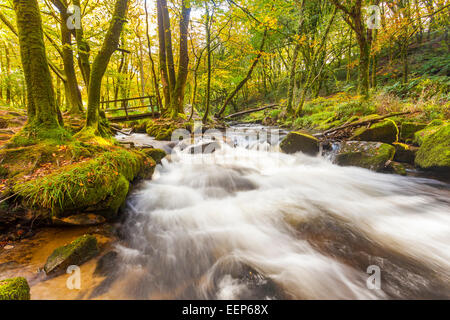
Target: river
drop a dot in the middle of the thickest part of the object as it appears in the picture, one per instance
(248, 222)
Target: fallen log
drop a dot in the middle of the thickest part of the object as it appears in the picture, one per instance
(361, 123)
(241, 113)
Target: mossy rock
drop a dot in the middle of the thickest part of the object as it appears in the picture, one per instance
(396, 168)
(386, 131)
(408, 129)
(300, 142)
(99, 185)
(405, 153)
(370, 155)
(435, 151)
(75, 253)
(155, 154)
(14, 289)
(434, 126)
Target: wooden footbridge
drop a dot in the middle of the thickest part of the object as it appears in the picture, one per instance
(147, 108)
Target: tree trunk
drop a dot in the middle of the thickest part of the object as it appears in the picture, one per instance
(155, 79)
(177, 99)
(162, 56)
(42, 109)
(83, 50)
(208, 49)
(101, 61)
(168, 44)
(73, 97)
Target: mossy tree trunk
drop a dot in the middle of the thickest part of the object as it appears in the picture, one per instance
(73, 94)
(352, 11)
(83, 50)
(177, 99)
(42, 110)
(152, 62)
(101, 61)
(162, 55)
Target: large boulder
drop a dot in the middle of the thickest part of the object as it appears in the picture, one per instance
(370, 155)
(405, 153)
(408, 129)
(433, 127)
(435, 151)
(99, 185)
(386, 131)
(14, 289)
(75, 253)
(300, 142)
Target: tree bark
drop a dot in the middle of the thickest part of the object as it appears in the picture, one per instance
(162, 56)
(42, 109)
(101, 61)
(152, 62)
(208, 50)
(177, 99)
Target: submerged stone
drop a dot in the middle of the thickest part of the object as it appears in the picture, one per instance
(370, 155)
(14, 289)
(435, 151)
(75, 253)
(300, 142)
(386, 131)
(85, 219)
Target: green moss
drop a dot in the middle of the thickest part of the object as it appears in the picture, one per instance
(369, 155)
(98, 184)
(300, 142)
(155, 154)
(386, 131)
(75, 253)
(434, 126)
(408, 129)
(14, 289)
(435, 150)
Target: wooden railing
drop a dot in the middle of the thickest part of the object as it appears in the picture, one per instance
(125, 107)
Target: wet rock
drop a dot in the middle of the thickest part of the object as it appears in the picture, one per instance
(370, 155)
(397, 168)
(435, 151)
(85, 219)
(408, 129)
(10, 265)
(106, 263)
(386, 131)
(14, 289)
(403, 277)
(205, 148)
(75, 253)
(405, 153)
(300, 142)
(155, 154)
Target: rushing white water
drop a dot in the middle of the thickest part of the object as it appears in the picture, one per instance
(242, 223)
